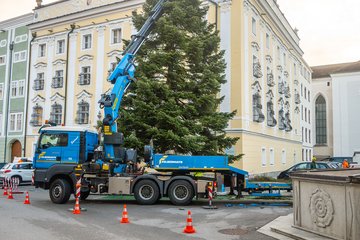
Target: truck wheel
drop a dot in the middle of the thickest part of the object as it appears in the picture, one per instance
(146, 192)
(60, 191)
(180, 192)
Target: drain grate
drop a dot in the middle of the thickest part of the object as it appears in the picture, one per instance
(233, 231)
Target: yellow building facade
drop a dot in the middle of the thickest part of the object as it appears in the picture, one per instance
(77, 42)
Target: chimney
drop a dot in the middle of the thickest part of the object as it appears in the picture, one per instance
(38, 2)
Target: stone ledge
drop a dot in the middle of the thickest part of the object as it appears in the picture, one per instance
(281, 228)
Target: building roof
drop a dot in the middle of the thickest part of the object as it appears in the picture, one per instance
(326, 70)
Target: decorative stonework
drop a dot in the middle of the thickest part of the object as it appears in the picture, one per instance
(321, 208)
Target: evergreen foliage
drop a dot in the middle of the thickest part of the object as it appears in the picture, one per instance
(175, 102)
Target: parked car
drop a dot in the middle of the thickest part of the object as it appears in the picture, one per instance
(338, 159)
(21, 171)
(305, 166)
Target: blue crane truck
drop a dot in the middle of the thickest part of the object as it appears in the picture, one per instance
(65, 154)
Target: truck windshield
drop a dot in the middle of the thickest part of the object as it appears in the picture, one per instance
(53, 140)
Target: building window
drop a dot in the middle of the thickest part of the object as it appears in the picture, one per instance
(309, 116)
(58, 80)
(112, 68)
(116, 36)
(309, 136)
(272, 156)
(294, 69)
(20, 56)
(320, 120)
(306, 138)
(267, 41)
(84, 76)
(2, 60)
(309, 95)
(86, 41)
(21, 38)
(14, 88)
(83, 113)
(305, 114)
(60, 47)
(1, 123)
(39, 82)
(21, 88)
(56, 113)
(36, 116)
(254, 26)
(278, 53)
(263, 157)
(42, 50)
(283, 156)
(1, 91)
(15, 122)
(284, 59)
(302, 112)
(302, 134)
(302, 154)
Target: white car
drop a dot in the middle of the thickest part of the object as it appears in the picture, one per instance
(21, 171)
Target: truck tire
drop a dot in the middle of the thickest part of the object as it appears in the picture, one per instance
(146, 192)
(180, 192)
(60, 191)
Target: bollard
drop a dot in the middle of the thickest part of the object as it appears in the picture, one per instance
(210, 196)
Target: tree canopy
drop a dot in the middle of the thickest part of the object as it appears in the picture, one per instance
(175, 102)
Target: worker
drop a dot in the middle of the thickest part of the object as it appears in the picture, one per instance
(313, 164)
(345, 164)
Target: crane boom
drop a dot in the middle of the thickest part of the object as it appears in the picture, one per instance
(122, 76)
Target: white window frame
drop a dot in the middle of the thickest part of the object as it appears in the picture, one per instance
(1, 123)
(3, 57)
(112, 42)
(21, 83)
(1, 91)
(283, 156)
(263, 156)
(14, 85)
(83, 41)
(272, 156)
(41, 53)
(21, 38)
(58, 46)
(17, 116)
(18, 55)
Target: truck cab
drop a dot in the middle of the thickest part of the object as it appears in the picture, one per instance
(58, 151)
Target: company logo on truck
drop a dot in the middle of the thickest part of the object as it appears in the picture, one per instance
(163, 160)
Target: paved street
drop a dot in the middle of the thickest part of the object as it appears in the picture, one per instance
(44, 220)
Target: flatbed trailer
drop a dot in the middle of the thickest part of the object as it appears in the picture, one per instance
(217, 164)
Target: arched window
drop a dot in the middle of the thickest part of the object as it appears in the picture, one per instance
(320, 120)
(36, 116)
(83, 112)
(56, 113)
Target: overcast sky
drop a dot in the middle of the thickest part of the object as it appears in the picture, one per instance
(329, 29)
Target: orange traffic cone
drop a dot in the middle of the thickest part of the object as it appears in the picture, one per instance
(27, 199)
(10, 195)
(189, 227)
(77, 207)
(125, 218)
(5, 191)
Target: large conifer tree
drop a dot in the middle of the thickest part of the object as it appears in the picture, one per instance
(175, 102)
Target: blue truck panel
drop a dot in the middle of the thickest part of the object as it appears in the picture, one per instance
(195, 163)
